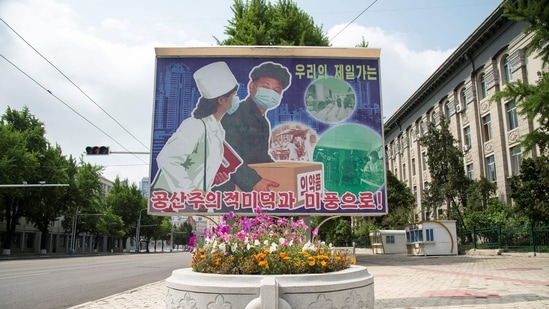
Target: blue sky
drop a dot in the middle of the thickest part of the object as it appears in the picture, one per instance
(107, 49)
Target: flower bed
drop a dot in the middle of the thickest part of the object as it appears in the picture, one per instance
(265, 245)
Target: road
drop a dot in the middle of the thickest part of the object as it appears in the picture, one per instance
(63, 282)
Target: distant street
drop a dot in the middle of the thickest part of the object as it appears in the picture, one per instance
(61, 282)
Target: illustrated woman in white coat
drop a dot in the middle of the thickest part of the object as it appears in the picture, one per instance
(190, 159)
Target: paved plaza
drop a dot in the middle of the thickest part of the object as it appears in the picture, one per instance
(409, 282)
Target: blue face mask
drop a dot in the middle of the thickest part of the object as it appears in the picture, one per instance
(267, 98)
(235, 103)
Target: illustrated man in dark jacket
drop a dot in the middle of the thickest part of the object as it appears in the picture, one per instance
(248, 130)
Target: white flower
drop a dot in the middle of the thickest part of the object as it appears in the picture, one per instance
(309, 246)
(273, 247)
(222, 247)
(234, 247)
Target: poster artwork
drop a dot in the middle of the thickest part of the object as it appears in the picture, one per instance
(296, 132)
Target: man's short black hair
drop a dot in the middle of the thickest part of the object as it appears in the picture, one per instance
(273, 70)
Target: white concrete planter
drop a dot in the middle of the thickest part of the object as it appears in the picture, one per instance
(349, 288)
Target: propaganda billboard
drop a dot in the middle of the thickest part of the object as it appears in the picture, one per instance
(293, 130)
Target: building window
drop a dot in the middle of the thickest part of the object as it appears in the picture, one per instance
(463, 100)
(440, 214)
(413, 166)
(491, 168)
(483, 86)
(404, 171)
(470, 171)
(423, 161)
(512, 118)
(415, 191)
(516, 153)
(467, 137)
(429, 235)
(507, 69)
(486, 128)
(389, 239)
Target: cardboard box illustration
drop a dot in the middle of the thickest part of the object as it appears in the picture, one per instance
(297, 177)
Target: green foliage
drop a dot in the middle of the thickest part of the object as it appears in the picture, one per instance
(448, 183)
(25, 155)
(537, 15)
(260, 22)
(362, 43)
(530, 189)
(531, 102)
(483, 208)
(126, 201)
(401, 202)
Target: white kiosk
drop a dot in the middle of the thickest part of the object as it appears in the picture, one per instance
(388, 241)
(432, 238)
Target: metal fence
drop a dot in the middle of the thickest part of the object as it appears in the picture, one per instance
(508, 238)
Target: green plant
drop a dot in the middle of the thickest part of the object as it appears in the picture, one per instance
(263, 244)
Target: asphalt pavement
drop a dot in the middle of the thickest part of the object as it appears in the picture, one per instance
(432, 282)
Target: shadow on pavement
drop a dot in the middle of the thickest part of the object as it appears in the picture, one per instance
(403, 259)
(458, 301)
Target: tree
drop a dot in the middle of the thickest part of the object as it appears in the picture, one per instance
(85, 198)
(531, 99)
(484, 208)
(22, 141)
(401, 203)
(530, 189)
(537, 15)
(448, 183)
(47, 203)
(126, 201)
(259, 22)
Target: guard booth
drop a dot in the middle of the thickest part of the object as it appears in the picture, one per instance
(432, 238)
(388, 241)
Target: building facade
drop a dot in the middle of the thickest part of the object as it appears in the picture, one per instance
(488, 132)
(27, 238)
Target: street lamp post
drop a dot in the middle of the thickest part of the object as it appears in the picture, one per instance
(72, 249)
(73, 232)
(137, 230)
(171, 235)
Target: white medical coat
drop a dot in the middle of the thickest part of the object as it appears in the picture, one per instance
(181, 160)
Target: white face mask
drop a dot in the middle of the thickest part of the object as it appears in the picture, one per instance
(267, 98)
(235, 103)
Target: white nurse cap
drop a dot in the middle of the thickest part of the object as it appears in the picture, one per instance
(214, 80)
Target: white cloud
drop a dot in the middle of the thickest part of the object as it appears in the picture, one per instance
(402, 70)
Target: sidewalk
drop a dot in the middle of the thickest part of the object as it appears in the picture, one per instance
(410, 282)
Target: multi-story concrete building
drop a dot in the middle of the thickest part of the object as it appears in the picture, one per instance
(144, 186)
(461, 89)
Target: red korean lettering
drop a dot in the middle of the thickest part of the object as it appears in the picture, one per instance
(232, 199)
(331, 200)
(212, 200)
(267, 199)
(177, 201)
(313, 200)
(348, 201)
(160, 200)
(286, 199)
(366, 200)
